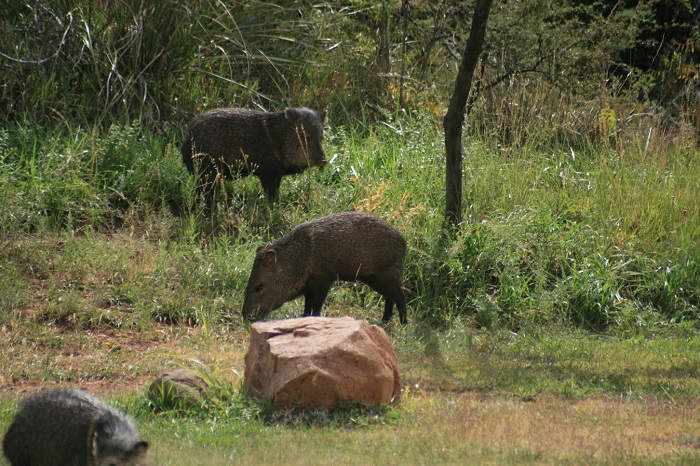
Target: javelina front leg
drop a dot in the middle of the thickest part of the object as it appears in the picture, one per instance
(206, 190)
(209, 200)
(313, 301)
(308, 306)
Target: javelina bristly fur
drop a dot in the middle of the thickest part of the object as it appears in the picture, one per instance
(71, 427)
(349, 246)
(231, 142)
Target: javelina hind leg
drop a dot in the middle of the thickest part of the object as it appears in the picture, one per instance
(271, 185)
(320, 300)
(388, 285)
(401, 305)
(388, 309)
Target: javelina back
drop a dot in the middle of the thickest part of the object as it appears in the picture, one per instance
(71, 427)
(348, 246)
(231, 142)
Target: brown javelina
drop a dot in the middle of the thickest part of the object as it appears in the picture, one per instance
(230, 142)
(348, 246)
(65, 427)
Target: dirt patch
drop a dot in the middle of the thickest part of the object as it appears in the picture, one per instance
(103, 386)
(110, 360)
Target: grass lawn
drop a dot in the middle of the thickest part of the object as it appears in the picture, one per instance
(559, 324)
(469, 396)
(437, 428)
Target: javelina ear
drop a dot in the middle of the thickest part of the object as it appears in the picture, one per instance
(139, 449)
(268, 256)
(292, 114)
(102, 426)
(99, 429)
(322, 115)
(261, 249)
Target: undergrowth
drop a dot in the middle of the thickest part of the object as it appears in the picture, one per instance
(592, 238)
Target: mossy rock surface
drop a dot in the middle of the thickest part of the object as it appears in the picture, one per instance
(177, 388)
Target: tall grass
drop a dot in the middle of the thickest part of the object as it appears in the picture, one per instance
(96, 63)
(129, 60)
(592, 237)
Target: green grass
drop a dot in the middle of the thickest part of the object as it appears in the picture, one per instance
(459, 359)
(436, 424)
(550, 361)
(558, 324)
(542, 396)
(595, 239)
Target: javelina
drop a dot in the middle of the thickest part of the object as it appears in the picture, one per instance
(347, 246)
(71, 427)
(232, 142)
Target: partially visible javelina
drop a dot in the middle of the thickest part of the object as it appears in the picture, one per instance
(73, 428)
(348, 246)
(237, 142)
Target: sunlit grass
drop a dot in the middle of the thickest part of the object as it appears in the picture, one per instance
(591, 238)
(429, 428)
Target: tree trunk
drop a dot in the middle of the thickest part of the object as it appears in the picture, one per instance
(405, 11)
(383, 63)
(697, 117)
(454, 118)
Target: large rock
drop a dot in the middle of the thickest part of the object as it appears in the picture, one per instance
(320, 361)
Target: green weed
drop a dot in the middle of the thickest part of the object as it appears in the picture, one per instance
(592, 240)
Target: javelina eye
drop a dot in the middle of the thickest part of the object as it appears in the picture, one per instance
(258, 288)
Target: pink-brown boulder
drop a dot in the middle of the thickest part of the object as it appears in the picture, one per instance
(320, 361)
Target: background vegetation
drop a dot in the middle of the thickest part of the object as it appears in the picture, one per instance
(581, 178)
(558, 324)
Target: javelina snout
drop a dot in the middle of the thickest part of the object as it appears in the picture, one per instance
(350, 246)
(308, 127)
(230, 142)
(263, 293)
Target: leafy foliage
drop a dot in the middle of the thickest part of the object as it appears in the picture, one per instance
(549, 237)
(126, 60)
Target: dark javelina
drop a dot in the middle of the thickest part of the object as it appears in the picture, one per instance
(348, 246)
(238, 142)
(71, 427)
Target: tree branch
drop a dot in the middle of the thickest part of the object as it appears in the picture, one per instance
(534, 68)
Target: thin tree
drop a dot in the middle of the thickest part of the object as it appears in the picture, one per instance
(383, 63)
(404, 13)
(454, 118)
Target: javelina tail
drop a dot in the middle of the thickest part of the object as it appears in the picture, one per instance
(186, 150)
